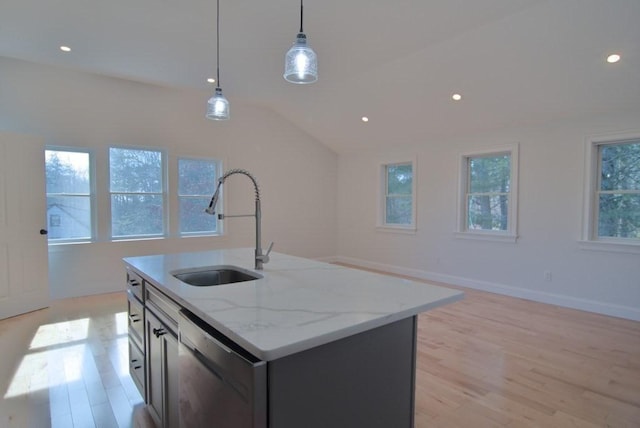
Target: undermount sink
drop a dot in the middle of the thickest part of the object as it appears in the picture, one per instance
(214, 275)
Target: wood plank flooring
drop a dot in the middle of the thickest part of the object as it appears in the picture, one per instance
(486, 361)
(67, 366)
(493, 360)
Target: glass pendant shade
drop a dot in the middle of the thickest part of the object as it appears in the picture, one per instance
(301, 62)
(218, 107)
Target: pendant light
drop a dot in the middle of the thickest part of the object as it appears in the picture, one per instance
(301, 62)
(218, 106)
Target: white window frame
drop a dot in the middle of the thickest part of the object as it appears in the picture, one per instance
(511, 234)
(590, 239)
(382, 225)
(164, 193)
(92, 195)
(179, 196)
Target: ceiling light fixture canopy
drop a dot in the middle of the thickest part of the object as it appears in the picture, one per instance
(218, 105)
(301, 62)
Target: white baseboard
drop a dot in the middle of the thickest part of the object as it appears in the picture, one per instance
(609, 309)
(96, 287)
(329, 259)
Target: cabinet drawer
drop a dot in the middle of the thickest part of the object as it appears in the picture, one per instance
(136, 319)
(136, 366)
(163, 307)
(135, 284)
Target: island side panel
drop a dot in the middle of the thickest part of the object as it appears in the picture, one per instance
(365, 380)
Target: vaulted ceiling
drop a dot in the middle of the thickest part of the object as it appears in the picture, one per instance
(515, 62)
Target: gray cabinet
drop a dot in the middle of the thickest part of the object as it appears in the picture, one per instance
(162, 372)
(364, 380)
(135, 304)
(161, 314)
(153, 349)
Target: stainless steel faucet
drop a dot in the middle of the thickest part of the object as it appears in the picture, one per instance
(260, 258)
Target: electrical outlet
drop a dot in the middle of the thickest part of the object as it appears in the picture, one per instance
(547, 275)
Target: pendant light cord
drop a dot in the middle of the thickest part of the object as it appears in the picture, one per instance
(218, 43)
(301, 7)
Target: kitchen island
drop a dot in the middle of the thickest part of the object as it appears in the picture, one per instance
(336, 345)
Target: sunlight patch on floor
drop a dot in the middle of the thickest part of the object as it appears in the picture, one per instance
(47, 369)
(60, 333)
(122, 323)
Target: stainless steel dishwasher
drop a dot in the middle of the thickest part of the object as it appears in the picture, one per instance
(221, 384)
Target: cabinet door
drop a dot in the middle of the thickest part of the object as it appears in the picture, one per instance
(154, 367)
(162, 373)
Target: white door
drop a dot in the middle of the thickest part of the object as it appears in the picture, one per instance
(24, 284)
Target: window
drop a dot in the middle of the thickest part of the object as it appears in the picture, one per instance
(136, 185)
(69, 195)
(397, 209)
(613, 207)
(197, 180)
(488, 194)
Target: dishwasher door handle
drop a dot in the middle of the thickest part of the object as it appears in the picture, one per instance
(219, 344)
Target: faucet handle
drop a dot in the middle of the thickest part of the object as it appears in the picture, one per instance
(269, 249)
(264, 258)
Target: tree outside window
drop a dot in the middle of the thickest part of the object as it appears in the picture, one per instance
(69, 195)
(196, 184)
(137, 192)
(488, 195)
(398, 195)
(618, 191)
(489, 185)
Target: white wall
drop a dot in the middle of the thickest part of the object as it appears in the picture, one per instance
(299, 178)
(296, 173)
(549, 226)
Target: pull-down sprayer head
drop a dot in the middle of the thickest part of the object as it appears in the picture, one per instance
(211, 209)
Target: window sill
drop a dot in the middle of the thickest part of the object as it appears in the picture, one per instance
(407, 230)
(610, 246)
(487, 236)
(137, 238)
(62, 243)
(199, 235)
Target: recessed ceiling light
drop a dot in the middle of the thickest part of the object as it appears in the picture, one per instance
(613, 58)
(456, 97)
(65, 48)
(365, 119)
(211, 80)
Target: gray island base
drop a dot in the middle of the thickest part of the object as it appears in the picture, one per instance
(309, 344)
(365, 380)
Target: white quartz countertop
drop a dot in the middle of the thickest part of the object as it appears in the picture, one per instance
(297, 305)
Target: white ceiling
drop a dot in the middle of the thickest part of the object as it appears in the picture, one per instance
(516, 62)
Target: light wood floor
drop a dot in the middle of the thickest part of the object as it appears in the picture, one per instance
(493, 360)
(485, 361)
(67, 366)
